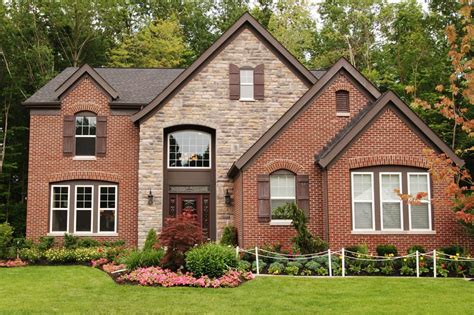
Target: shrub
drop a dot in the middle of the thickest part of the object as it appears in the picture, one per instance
(261, 266)
(386, 250)
(45, 242)
(119, 243)
(296, 264)
(70, 241)
(276, 268)
(22, 242)
(6, 237)
(150, 240)
(360, 248)
(179, 235)
(87, 254)
(312, 265)
(453, 250)
(87, 242)
(59, 255)
(211, 260)
(415, 248)
(31, 254)
(141, 259)
(229, 236)
(244, 265)
(291, 270)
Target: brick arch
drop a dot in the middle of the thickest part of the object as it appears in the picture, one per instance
(388, 159)
(344, 86)
(289, 165)
(83, 175)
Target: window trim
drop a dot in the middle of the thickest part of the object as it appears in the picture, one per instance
(247, 84)
(428, 201)
(89, 115)
(400, 187)
(52, 209)
(188, 167)
(99, 208)
(91, 231)
(372, 201)
(294, 198)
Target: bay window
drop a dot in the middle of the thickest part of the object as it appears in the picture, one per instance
(420, 213)
(390, 202)
(59, 217)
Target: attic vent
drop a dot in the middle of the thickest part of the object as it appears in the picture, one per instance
(342, 101)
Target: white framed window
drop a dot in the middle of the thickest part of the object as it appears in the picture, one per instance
(282, 191)
(107, 215)
(59, 216)
(391, 206)
(189, 149)
(420, 214)
(363, 210)
(84, 205)
(85, 135)
(246, 84)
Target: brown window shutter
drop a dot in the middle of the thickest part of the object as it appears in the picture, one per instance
(342, 101)
(259, 83)
(101, 136)
(234, 82)
(69, 131)
(302, 193)
(263, 192)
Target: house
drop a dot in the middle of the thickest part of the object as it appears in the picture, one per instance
(246, 128)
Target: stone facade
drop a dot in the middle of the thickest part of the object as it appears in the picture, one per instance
(204, 100)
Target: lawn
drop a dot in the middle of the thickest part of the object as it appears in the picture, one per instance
(82, 289)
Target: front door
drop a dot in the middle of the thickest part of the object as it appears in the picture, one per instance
(197, 204)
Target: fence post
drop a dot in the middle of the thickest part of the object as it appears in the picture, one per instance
(417, 264)
(237, 250)
(434, 263)
(257, 262)
(330, 262)
(343, 263)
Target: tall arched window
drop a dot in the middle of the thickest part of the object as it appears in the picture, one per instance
(189, 149)
(282, 191)
(85, 135)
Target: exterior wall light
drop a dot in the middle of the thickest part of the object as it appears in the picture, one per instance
(150, 198)
(228, 199)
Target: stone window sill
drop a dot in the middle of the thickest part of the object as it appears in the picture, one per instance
(83, 234)
(343, 114)
(280, 222)
(84, 158)
(393, 232)
(247, 100)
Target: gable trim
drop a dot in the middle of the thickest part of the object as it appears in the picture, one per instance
(246, 20)
(341, 66)
(332, 153)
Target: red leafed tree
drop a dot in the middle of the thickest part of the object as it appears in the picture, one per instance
(179, 235)
(456, 100)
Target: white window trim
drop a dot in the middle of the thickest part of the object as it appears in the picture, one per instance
(247, 99)
(281, 221)
(108, 209)
(91, 210)
(428, 201)
(61, 209)
(192, 167)
(354, 202)
(391, 201)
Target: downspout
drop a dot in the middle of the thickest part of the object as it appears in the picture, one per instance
(242, 207)
(325, 186)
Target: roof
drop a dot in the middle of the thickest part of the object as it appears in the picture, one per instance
(133, 85)
(271, 134)
(246, 20)
(345, 138)
(318, 73)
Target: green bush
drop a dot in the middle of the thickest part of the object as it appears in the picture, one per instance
(30, 254)
(87, 242)
(150, 240)
(453, 250)
(296, 264)
(312, 265)
(141, 259)
(386, 250)
(244, 265)
(261, 265)
(70, 241)
(210, 259)
(276, 268)
(119, 243)
(45, 242)
(360, 248)
(229, 236)
(291, 270)
(6, 237)
(59, 255)
(415, 248)
(86, 254)
(22, 242)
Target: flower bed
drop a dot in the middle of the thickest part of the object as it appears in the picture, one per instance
(13, 263)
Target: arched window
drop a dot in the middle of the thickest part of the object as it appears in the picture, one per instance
(85, 135)
(189, 149)
(282, 191)
(342, 101)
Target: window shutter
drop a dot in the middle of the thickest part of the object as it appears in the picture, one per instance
(302, 193)
(258, 81)
(101, 135)
(69, 131)
(263, 192)
(342, 101)
(234, 82)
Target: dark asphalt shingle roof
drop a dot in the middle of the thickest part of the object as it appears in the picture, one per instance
(318, 73)
(134, 85)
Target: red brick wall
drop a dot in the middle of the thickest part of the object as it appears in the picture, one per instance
(47, 163)
(294, 149)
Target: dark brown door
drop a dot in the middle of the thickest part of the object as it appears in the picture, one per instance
(197, 204)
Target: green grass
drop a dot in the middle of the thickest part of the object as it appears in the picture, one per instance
(79, 289)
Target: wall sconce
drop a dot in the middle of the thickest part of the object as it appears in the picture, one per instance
(150, 198)
(228, 199)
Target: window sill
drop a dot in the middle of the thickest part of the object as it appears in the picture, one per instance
(82, 234)
(341, 114)
(392, 232)
(84, 158)
(281, 222)
(247, 100)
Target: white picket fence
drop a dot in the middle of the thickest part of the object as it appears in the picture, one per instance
(436, 256)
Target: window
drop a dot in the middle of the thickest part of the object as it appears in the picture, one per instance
(85, 134)
(83, 208)
(390, 203)
(282, 191)
(246, 84)
(342, 101)
(362, 201)
(420, 214)
(59, 208)
(189, 148)
(107, 209)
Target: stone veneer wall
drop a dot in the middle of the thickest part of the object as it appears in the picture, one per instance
(205, 101)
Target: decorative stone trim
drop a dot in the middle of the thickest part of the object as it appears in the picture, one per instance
(276, 165)
(78, 175)
(388, 159)
(344, 85)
